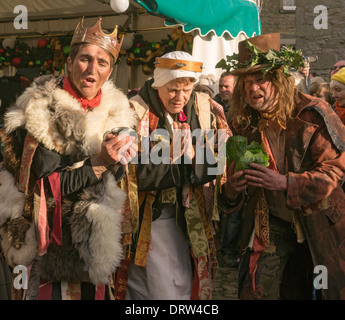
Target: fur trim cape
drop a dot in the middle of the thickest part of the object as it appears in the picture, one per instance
(91, 226)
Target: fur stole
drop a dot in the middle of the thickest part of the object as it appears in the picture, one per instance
(55, 118)
(92, 224)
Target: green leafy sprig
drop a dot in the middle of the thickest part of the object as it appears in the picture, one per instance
(288, 58)
(238, 150)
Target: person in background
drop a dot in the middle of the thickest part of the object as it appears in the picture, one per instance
(62, 165)
(229, 224)
(337, 86)
(316, 79)
(227, 83)
(322, 90)
(293, 217)
(314, 74)
(205, 84)
(302, 77)
(337, 66)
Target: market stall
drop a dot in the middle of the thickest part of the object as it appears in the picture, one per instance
(208, 29)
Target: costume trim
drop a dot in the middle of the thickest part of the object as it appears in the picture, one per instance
(204, 113)
(41, 218)
(56, 234)
(131, 208)
(178, 64)
(45, 291)
(42, 221)
(144, 241)
(30, 146)
(122, 278)
(261, 237)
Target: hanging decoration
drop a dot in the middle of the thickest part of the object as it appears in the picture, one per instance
(127, 42)
(58, 57)
(184, 40)
(119, 6)
(9, 43)
(50, 54)
(143, 53)
(42, 43)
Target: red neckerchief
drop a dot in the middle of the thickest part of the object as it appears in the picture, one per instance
(85, 103)
(341, 111)
(181, 116)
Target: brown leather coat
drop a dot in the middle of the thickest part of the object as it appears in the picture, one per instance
(315, 145)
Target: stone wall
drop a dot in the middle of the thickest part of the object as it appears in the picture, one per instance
(274, 19)
(298, 28)
(328, 44)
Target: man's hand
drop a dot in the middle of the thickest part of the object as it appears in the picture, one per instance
(305, 70)
(235, 183)
(118, 149)
(266, 178)
(115, 150)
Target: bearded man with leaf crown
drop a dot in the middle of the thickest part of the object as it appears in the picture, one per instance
(294, 213)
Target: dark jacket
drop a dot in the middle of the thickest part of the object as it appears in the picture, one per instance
(316, 160)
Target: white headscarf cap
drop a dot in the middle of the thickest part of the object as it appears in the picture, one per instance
(162, 76)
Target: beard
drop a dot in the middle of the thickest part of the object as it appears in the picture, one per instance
(263, 103)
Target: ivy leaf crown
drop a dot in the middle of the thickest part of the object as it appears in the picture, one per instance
(288, 58)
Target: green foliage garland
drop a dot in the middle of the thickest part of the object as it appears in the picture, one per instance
(288, 58)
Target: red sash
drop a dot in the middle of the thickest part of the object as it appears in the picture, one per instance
(43, 227)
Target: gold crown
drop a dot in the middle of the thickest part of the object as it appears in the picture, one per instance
(96, 35)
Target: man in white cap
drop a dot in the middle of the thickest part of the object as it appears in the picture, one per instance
(171, 253)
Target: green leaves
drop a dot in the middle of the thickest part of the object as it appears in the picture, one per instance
(288, 58)
(230, 63)
(236, 146)
(238, 150)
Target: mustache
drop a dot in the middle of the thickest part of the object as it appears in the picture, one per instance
(258, 94)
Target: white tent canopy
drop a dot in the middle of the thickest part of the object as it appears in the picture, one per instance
(210, 50)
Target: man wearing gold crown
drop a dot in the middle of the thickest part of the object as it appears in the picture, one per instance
(61, 215)
(170, 246)
(293, 219)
